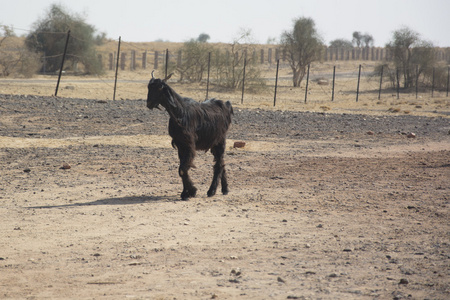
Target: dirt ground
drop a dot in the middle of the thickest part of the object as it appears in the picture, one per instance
(321, 206)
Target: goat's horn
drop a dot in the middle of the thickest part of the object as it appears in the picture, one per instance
(168, 77)
(152, 73)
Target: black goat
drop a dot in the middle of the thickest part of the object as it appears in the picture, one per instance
(194, 126)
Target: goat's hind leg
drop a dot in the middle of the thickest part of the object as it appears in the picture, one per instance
(224, 182)
(219, 170)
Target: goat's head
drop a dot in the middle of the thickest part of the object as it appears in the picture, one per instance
(159, 93)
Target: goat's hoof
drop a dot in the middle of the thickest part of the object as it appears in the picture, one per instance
(211, 193)
(186, 194)
(225, 192)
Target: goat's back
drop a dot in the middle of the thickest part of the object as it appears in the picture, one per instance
(206, 124)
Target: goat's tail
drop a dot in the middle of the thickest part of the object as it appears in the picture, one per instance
(230, 108)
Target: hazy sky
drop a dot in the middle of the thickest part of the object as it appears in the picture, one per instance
(181, 20)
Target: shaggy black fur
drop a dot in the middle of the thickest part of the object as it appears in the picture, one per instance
(194, 126)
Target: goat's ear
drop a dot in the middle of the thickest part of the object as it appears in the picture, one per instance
(168, 77)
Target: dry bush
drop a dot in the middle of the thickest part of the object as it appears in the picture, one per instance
(16, 60)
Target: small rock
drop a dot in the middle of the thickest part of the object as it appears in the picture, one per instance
(307, 246)
(403, 281)
(279, 279)
(322, 82)
(239, 144)
(347, 250)
(65, 166)
(27, 170)
(411, 135)
(370, 132)
(236, 272)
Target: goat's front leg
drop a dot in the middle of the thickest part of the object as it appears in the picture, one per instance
(219, 170)
(186, 162)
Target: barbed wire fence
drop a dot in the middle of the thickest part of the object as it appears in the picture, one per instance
(340, 74)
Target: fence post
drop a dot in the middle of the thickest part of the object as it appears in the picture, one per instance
(144, 60)
(357, 87)
(111, 61)
(262, 56)
(122, 60)
(269, 54)
(133, 60)
(307, 81)
(398, 84)
(207, 80)
(243, 79)
(381, 82)
(276, 84)
(432, 84)
(117, 69)
(62, 62)
(448, 78)
(417, 80)
(155, 61)
(334, 76)
(167, 62)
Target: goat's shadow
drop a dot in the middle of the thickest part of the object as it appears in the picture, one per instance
(127, 200)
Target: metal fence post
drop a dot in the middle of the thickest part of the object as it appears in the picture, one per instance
(117, 69)
(276, 84)
(307, 81)
(357, 87)
(62, 62)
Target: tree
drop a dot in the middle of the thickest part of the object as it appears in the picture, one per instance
(203, 38)
(228, 65)
(49, 37)
(303, 45)
(362, 40)
(411, 53)
(15, 59)
(195, 60)
(367, 40)
(341, 43)
(357, 39)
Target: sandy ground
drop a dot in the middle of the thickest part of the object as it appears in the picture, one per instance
(322, 206)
